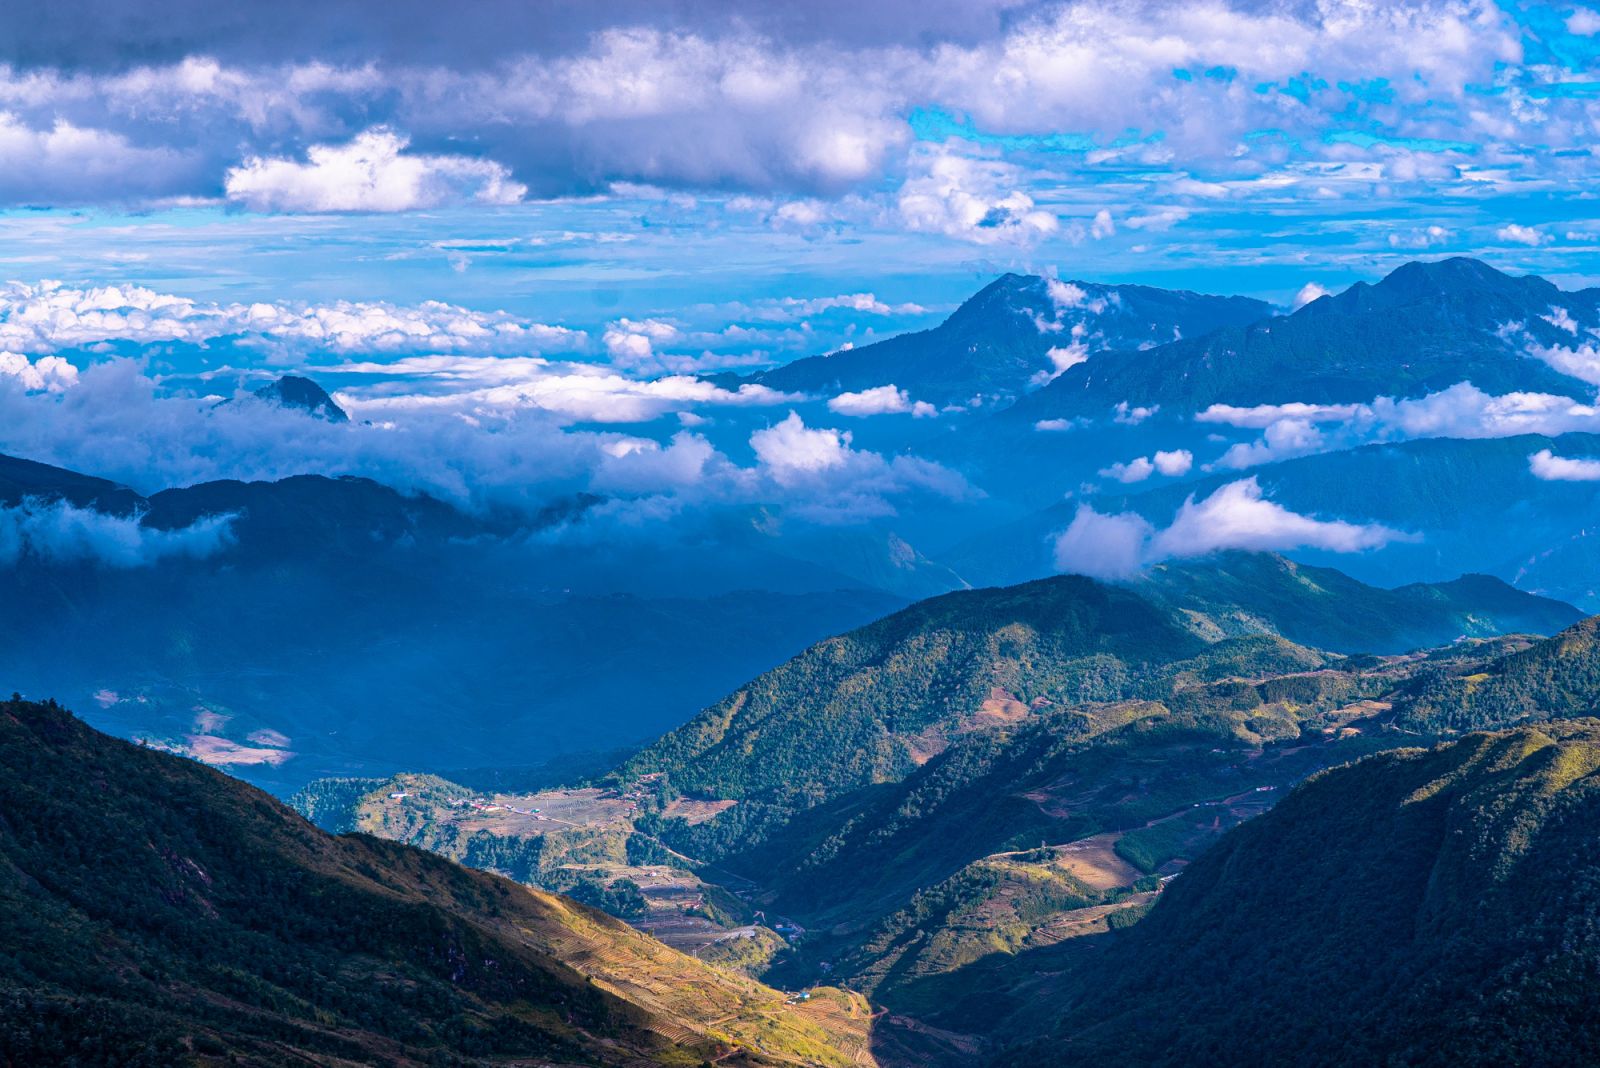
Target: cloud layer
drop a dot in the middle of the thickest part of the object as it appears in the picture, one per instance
(1235, 516)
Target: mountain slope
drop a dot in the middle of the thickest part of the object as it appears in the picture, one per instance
(1445, 491)
(22, 479)
(1418, 907)
(873, 704)
(996, 345)
(1553, 679)
(1423, 328)
(159, 912)
(1328, 609)
(293, 391)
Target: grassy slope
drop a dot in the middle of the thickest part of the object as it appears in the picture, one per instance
(1418, 907)
(161, 913)
(1554, 678)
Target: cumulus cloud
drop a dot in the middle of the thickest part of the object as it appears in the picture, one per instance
(1548, 466)
(1584, 22)
(1103, 546)
(1309, 292)
(881, 400)
(46, 374)
(49, 316)
(828, 480)
(497, 451)
(1131, 415)
(59, 533)
(736, 96)
(1518, 234)
(1461, 411)
(1136, 470)
(1235, 516)
(370, 174)
(1580, 361)
(967, 199)
(1174, 463)
(569, 392)
(633, 344)
(1426, 237)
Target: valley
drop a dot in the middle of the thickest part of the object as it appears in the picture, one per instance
(1041, 809)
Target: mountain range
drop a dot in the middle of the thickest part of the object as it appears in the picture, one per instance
(214, 926)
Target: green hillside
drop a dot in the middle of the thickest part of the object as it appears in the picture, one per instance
(161, 913)
(876, 703)
(1552, 679)
(1421, 907)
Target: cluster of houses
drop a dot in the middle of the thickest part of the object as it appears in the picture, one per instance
(480, 804)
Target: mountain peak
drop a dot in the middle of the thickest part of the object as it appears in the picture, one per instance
(1453, 277)
(295, 391)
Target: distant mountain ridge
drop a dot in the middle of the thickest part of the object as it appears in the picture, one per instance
(996, 345)
(1423, 328)
(871, 705)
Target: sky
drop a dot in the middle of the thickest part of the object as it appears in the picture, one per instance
(574, 208)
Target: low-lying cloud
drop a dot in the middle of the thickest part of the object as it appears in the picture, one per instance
(58, 532)
(881, 400)
(1546, 465)
(1461, 411)
(116, 423)
(1235, 516)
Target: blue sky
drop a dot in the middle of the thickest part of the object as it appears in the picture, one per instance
(542, 217)
(640, 166)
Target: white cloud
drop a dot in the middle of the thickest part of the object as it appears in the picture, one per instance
(46, 374)
(865, 303)
(1518, 234)
(1103, 546)
(1461, 411)
(1263, 415)
(1136, 470)
(370, 174)
(1235, 516)
(1133, 416)
(1581, 361)
(1426, 237)
(1157, 221)
(60, 533)
(1584, 22)
(792, 450)
(1175, 463)
(633, 344)
(1309, 292)
(498, 446)
(965, 198)
(827, 480)
(49, 316)
(1056, 426)
(1102, 225)
(880, 400)
(1552, 468)
(569, 391)
(1561, 319)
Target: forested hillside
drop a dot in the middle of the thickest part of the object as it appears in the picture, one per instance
(161, 913)
(1422, 907)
